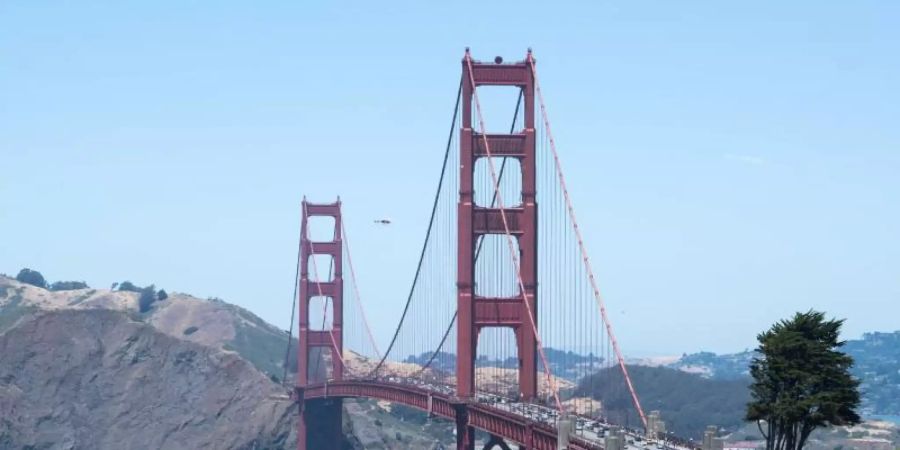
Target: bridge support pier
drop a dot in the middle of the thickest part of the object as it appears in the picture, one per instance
(497, 441)
(320, 425)
(465, 434)
(564, 428)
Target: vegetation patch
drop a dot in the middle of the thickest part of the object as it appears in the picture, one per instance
(148, 295)
(12, 313)
(688, 403)
(32, 277)
(82, 297)
(263, 349)
(68, 285)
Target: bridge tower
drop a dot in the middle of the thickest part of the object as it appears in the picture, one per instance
(477, 312)
(320, 421)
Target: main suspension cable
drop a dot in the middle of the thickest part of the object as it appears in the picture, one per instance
(287, 352)
(362, 310)
(512, 129)
(581, 247)
(434, 207)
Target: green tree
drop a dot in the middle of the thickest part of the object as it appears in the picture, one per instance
(32, 277)
(129, 287)
(147, 297)
(162, 294)
(68, 285)
(801, 381)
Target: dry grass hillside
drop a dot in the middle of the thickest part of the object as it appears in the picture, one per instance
(211, 322)
(224, 329)
(96, 378)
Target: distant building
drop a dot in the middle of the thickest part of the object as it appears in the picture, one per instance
(745, 445)
(656, 427)
(870, 444)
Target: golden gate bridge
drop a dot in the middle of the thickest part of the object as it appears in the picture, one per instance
(504, 329)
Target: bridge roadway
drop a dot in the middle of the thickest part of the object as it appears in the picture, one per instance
(530, 425)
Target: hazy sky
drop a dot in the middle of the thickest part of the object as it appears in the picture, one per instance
(731, 162)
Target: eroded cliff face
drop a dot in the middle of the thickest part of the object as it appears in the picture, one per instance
(96, 379)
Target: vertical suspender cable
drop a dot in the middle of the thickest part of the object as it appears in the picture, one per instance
(581, 247)
(319, 354)
(362, 310)
(294, 300)
(427, 233)
(510, 244)
(512, 129)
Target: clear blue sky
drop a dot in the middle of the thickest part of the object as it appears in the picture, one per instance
(732, 162)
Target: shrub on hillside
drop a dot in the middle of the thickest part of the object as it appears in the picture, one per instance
(129, 287)
(148, 296)
(162, 294)
(688, 402)
(32, 277)
(68, 285)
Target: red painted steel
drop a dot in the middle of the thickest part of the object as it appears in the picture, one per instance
(496, 441)
(327, 414)
(468, 415)
(474, 312)
(320, 400)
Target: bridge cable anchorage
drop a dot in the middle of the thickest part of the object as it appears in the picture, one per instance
(356, 291)
(312, 247)
(293, 312)
(434, 208)
(512, 129)
(586, 260)
(512, 250)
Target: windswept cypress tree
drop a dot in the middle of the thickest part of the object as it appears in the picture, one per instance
(801, 381)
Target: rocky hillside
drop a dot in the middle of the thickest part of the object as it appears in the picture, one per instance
(98, 379)
(92, 328)
(209, 322)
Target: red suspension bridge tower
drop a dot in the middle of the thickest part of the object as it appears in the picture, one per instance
(482, 300)
(320, 418)
(475, 221)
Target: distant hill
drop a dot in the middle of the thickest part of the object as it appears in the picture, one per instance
(877, 357)
(710, 365)
(210, 322)
(187, 352)
(567, 365)
(96, 378)
(688, 403)
(877, 365)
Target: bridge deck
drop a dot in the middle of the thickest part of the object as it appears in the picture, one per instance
(523, 423)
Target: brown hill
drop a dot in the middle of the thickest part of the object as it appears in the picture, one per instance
(218, 330)
(95, 378)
